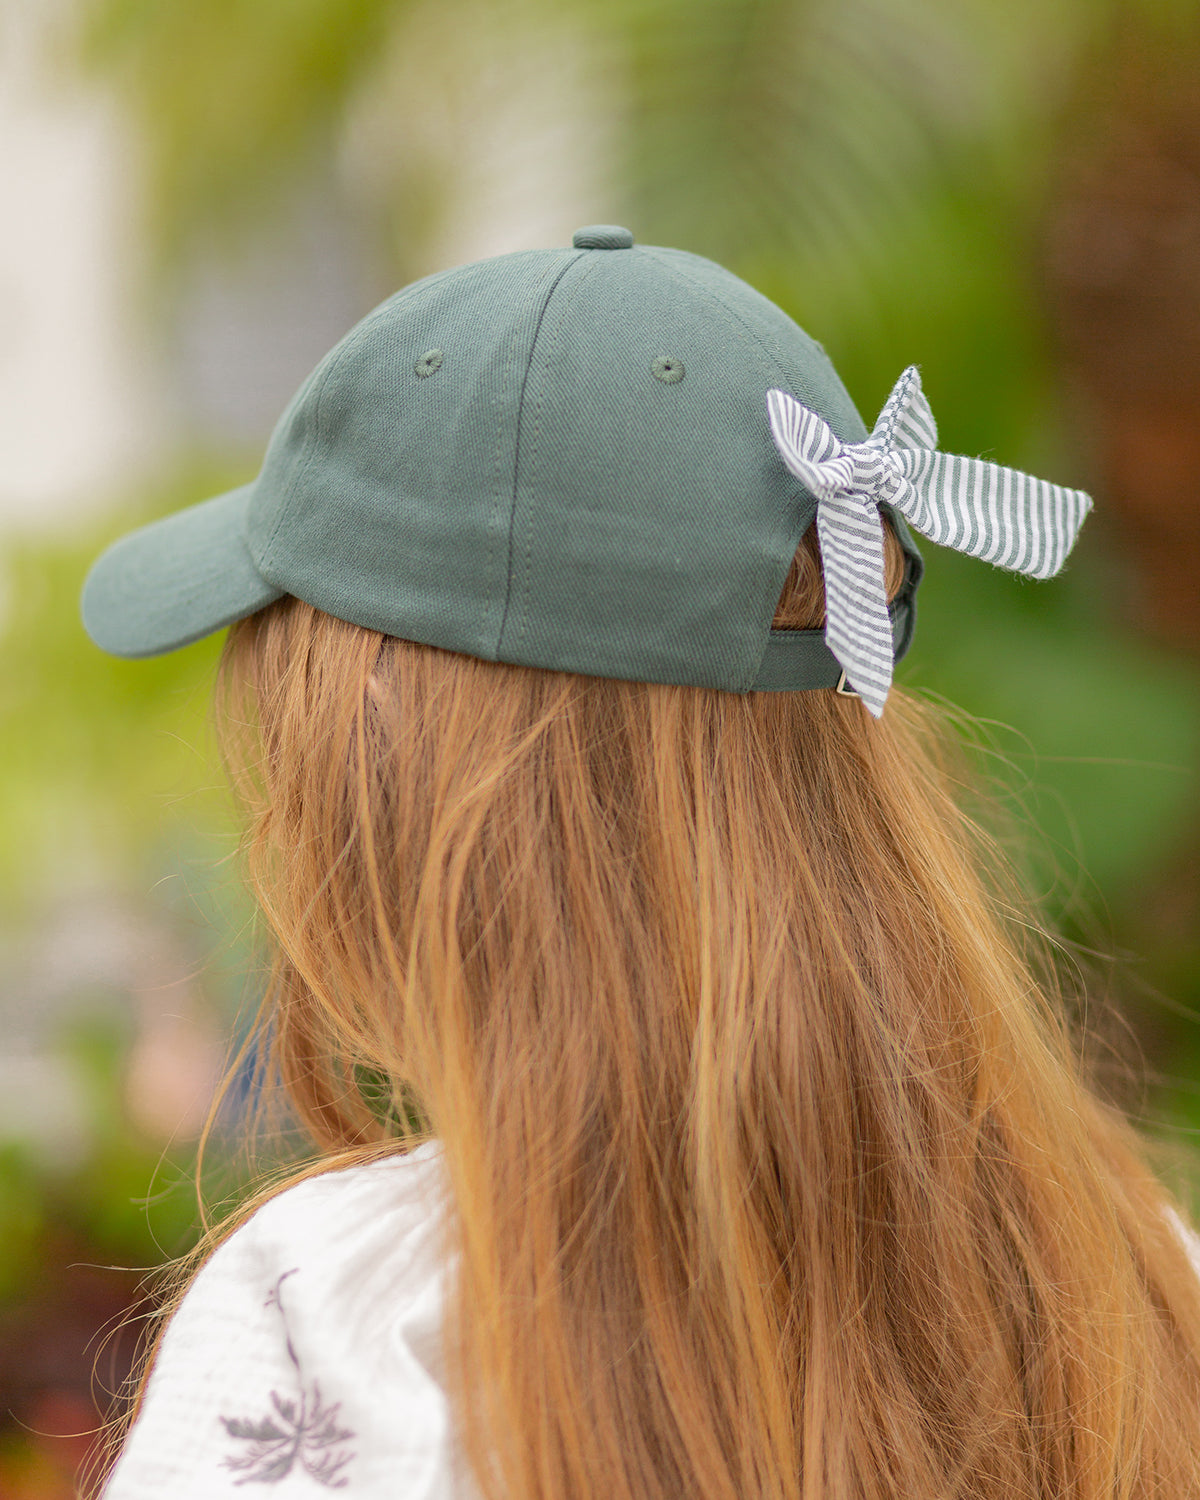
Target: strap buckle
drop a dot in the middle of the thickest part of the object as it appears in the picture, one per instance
(843, 689)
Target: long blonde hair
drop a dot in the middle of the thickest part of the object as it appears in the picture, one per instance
(775, 1167)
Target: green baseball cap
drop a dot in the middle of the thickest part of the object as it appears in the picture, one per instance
(555, 458)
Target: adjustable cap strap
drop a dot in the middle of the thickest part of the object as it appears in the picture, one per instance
(798, 659)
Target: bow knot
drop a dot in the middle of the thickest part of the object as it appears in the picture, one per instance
(1001, 515)
(859, 470)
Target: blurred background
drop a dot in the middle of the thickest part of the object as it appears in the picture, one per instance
(197, 200)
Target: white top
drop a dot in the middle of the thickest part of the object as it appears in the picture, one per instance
(305, 1355)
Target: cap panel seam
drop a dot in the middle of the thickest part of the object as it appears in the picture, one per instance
(591, 264)
(749, 335)
(498, 498)
(512, 516)
(350, 342)
(708, 292)
(305, 460)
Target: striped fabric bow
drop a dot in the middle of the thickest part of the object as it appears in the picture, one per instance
(1005, 517)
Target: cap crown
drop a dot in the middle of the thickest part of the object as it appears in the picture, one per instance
(539, 494)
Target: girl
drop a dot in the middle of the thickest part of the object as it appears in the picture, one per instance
(695, 1114)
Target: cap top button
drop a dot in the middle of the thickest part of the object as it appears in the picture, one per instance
(602, 237)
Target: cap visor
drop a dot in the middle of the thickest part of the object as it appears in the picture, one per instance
(176, 580)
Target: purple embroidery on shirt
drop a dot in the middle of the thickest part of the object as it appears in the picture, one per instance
(299, 1431)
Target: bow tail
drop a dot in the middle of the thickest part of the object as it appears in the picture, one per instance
(1001, 515)
(858, 628)
(906, 420)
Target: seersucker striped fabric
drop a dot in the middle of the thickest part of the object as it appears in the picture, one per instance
(1001, 515)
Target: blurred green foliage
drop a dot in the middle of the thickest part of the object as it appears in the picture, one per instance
(102, 1200)
(99, 757)
(1100, 731)
(239, 96)
(22, 1217)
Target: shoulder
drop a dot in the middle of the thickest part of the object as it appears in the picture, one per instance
(340, 1237)
(301, 1340)
(395, 1202)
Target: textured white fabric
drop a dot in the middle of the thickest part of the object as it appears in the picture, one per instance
(1001, 515)
(305, 1357)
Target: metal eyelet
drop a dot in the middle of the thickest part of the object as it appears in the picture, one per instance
(667, 369)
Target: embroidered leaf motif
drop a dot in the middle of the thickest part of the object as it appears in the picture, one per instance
(325, 1469)
(304, 1431)
(262, 1432)
(325, 1432)
(286, 1409)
